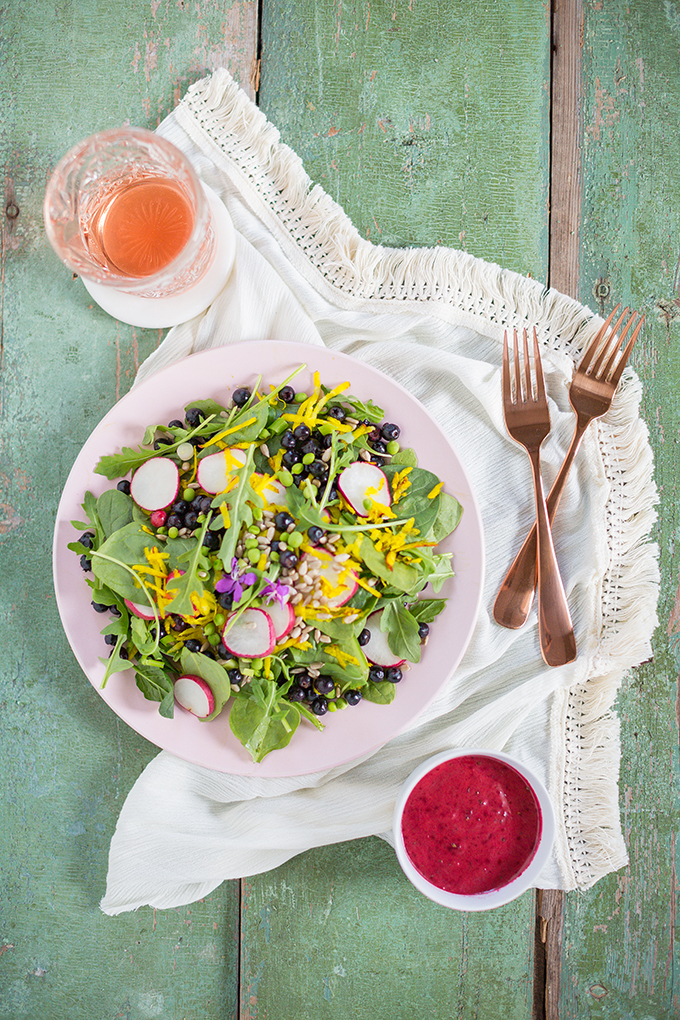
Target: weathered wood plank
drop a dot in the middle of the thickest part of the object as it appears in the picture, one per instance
(70, 69)
(619, 954)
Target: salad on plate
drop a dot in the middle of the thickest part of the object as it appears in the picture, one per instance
(269, 555)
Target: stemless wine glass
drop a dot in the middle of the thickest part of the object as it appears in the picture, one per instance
(125, 208)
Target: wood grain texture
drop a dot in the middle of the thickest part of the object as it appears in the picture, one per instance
(619, 952)
(66, 70)
(427, 122)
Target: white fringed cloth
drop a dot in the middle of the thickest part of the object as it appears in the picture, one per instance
(433, 319)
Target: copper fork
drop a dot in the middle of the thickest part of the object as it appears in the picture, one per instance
(528, 421)
(592, 389)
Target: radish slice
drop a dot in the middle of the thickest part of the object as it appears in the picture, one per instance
(155, 484)
(361, 481)
(195, 695)
(141, 609)
(376, 648)
(283, 618)
(341, 579)
(215, 472)
(274, 492)
(252, 636)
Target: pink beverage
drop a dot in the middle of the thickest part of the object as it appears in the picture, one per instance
(472, 824)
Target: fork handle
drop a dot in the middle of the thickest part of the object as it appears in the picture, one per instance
(556, 633)
(516, 594)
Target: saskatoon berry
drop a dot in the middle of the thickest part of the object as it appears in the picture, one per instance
(319, 706)
(175, 424)
(241, 396)
(235, 676)
(288, 559)
(288, 441)
(315, 534)
(99, 607)
(311, 446)
(283, 520)
(194, 416)
(205, 504)
(423, 631)
(87, 539)
(211, 541)
(364, 637)
(326, 441)
(287, 393)
(296, 694)
(390, 432)
(302, 433)
(352, 697)
(124, 486)
(376, 674)
(123, 652)
(192, 645)
(324, 684)
(393, 674)
(374, 436)
(290, 457)
(310, 694)
(337, 412)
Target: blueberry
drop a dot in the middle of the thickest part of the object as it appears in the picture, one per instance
(194, 416)
(423, 631)
(302, 433)
(225, 599)
(318, 469)
(379, 447)
(324, 684)
(222, 651)
(87, 539)
(205, 504)
(85, 563)
(99, 607)
(304, 681)
(376, 674)
(283, 520)
(288, 559)
(374, 436)
(235, 676)
(320, 706)
(364, 637)
(163, 441)
(180, 506)
(190, 519)
(337, 412)
(390, 432)
(310, 446)
(211, 541)
(175, 424)
(123, 652)
(288, 441)
(325, 442)
(174, 521)
(296, 693)
(315, 534)
(393, 674)
(287, 393)
(114, 610)
(110, 639)
(176, 622)
(241, 396)
(197, 442)
(352, 697)
(290, 457)
(124, 486)
(192, 645)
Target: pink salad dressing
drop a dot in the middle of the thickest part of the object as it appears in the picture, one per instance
(471, 825)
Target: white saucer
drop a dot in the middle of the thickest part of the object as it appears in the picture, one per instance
(159, 313)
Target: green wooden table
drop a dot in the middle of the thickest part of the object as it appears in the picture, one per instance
(543, 139)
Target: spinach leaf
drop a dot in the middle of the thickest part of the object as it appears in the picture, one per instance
(114, 509)
(261, 720)
(415, 503)
(406, 458)
(448, 518)
(402, 631)
(111, 563)
(382, 693)
(156, 685)
(215, 676)
(208, 407)
(402, 576)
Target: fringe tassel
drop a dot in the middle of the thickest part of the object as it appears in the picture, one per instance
(326, 246)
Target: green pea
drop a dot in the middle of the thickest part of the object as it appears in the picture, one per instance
(256, 665)
(162, 531)
(367, 504)
(285, 478)
(254, 556)
(253, 529)
(340, 703)
(219, 619)
(294, 539)
(209, 628)
(332, 707)
(214, 639)
(274, 557)
(393, 447)
(257, 514)
(188, 495)
(300, 398)
(297, 469)
(173, 532)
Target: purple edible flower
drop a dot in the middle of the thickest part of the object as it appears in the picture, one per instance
(234, 582)
(278, 591)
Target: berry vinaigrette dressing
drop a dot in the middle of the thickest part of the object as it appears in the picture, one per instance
(471, 825)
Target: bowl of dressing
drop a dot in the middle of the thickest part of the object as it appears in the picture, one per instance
(473, 828)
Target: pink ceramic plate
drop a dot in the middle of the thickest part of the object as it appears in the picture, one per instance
(348, 734)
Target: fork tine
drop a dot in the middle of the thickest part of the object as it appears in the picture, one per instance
(507, 385)
(615, 348)
(626, 354)
(528, 392)
(540, 382)
(597, 339)
(519, 397)
(603, 352)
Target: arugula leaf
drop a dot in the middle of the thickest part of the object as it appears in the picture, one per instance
(261, 720)
(361, 410)
(119, 464)
(248, 423)
(402, 631)
(114, 510)
(114, 664)
(188, 582)
(425, 610)
(156, 685)
(302, 509)
(142, 639)
(240, 513)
